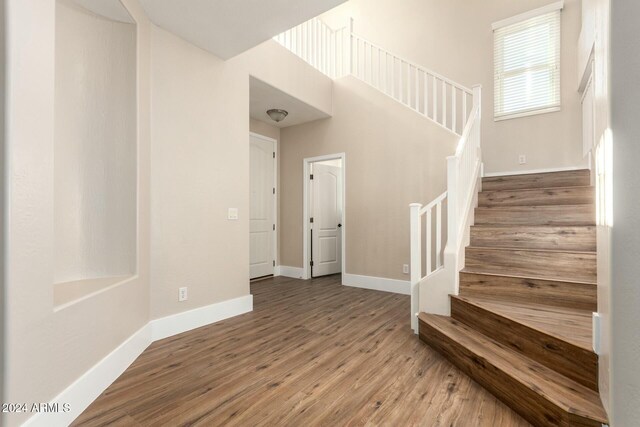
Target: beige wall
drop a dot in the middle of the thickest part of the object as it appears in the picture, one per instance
(454, 38)
(197, 119)
(264, 129)
(47, 350)
(200, 158)
(393, 157)
(199, 161)
(95, 146)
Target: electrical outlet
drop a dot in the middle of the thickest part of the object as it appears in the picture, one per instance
(522, 159)
(182, 294)
(405, 268)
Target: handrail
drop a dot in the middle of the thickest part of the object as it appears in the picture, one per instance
(420, 67)
(428, 93)
(450, 105)
(341, 52)
(434, 202)
(467, 131)
(319, 45)
(463, 170)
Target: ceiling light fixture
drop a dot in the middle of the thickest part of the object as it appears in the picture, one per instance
(277, 115)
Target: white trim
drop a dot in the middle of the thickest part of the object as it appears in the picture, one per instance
(276, 195)
(377, 283)
(201, 316)
(266, 138)
(596, 327)
(82, 392)
(305, 210)
(286, 271)
(527, 172)
(535, 112)
(559, 5)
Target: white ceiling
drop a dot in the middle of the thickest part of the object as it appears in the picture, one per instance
(229, 27)
(264, 97)
(111, 9)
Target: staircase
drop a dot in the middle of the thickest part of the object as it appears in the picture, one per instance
(520, 309)
(521, 324)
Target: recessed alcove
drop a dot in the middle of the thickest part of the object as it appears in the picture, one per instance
(95, 152)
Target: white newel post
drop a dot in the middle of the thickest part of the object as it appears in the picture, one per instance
(477, 102)
(416, 262)
(452, 200)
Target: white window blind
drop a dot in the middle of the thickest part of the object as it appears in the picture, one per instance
(527, 66)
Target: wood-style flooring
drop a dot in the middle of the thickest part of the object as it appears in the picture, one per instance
(311, 353)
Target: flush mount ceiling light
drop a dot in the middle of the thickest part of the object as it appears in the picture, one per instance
(277, 115)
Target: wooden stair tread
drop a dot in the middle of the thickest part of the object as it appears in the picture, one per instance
(519, 190)
(533, 226)
(544, 196)
(559, 265)
(560, 237)
(570, 215)
(528, 276)
(570, 325)
(566, 394)
(578, 295)
(511, 248)
(580, 177)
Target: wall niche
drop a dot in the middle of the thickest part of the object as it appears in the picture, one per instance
(95, 150)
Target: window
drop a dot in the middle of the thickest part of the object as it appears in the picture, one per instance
(527, 63)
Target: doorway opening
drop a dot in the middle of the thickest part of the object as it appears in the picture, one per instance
(324, 216)
(262, 206)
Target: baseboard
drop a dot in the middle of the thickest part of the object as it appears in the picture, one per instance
(81, 393)
(286, 271)
(377, 283)
(192, 319)
(548, 170)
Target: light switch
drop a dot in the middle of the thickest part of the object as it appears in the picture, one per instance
(232, 214)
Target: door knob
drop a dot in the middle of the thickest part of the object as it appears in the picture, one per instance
(339, 225)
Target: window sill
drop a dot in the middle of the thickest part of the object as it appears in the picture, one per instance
(526, 114)
(66, 294)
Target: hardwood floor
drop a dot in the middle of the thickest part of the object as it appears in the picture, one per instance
(311, 353)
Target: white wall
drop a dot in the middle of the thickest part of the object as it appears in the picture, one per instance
(595, 37)
(2, 201)
(625, 233)
(454, 38)
(47, 350)
(94, 146)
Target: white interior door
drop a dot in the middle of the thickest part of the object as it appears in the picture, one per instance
(261, 206)
(326, 211)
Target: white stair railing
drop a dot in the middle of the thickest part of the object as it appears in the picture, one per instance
(340, 52)
(424, 91)
(431, 216)
(463, 172)
(323, 48)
